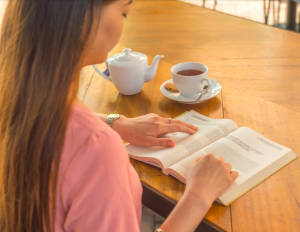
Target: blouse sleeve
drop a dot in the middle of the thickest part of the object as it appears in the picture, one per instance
(96, 190)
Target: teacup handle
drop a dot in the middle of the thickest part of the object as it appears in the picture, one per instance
(105, 72)
(208, 83)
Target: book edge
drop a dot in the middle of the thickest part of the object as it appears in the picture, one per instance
(272, 173)
(181, 114)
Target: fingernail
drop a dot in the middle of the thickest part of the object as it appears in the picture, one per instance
(170, 144)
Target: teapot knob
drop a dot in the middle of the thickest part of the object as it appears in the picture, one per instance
(127, 51)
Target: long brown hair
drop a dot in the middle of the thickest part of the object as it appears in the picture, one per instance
(41, 45)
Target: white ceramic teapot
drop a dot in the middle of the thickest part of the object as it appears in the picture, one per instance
(129, 71)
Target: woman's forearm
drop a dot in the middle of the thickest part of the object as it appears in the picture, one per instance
(186, 215)
(115, 125)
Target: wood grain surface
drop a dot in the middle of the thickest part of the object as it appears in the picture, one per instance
(259, 59)
(273, 205)
(259, 69)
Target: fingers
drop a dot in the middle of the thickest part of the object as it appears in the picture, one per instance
(164, 142)
(174, 121)
(169, 128)
(228, 166)
(197, 159)
(163, 125)
(234, 175)
(221, 158)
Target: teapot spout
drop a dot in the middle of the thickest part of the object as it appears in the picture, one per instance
(151, 70)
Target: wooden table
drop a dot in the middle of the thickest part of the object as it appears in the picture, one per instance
(259, 69)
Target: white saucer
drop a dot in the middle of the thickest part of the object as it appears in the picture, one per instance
(176, 96)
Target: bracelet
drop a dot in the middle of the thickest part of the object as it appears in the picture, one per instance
(111, 118)
(158, 230)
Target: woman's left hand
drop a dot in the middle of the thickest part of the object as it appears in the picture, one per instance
(145, 130)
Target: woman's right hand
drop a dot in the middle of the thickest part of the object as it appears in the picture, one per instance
(208, 177)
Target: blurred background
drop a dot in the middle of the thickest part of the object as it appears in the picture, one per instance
(284, 14)
(2, 5)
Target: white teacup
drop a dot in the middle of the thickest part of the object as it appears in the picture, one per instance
(190, 86)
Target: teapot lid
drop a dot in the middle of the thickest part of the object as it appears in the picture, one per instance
(127, 56)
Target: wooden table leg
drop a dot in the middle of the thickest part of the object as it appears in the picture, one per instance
(291, 15)
(163, 206)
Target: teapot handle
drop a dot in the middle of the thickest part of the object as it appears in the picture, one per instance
(105, 74)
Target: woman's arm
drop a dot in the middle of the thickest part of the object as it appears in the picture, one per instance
(187, 214)
(207, 178)
(146, 130)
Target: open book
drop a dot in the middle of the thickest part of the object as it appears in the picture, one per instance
(252, 155)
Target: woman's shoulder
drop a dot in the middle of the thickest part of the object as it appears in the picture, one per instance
(83, 120)
(84, 124)
(88, 135)
(92, 146)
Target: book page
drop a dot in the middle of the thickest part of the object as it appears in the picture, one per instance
(209, 130)
(248, 152)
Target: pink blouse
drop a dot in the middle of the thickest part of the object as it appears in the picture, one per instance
(97, 188)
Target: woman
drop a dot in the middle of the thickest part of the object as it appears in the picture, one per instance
(63, 169)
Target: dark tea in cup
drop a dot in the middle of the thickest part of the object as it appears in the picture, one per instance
(189, 72)
(189, 78)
